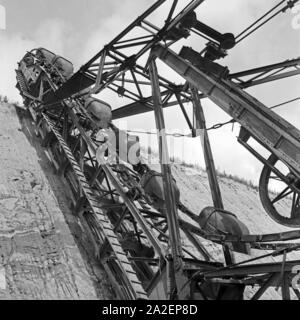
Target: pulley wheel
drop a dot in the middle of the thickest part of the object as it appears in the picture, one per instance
(279, 190)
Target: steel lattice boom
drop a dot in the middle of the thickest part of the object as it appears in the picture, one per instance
(130, 212)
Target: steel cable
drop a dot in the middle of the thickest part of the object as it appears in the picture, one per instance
(242, 35)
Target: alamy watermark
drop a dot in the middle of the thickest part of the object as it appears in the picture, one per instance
(2, 17)
(126, 147)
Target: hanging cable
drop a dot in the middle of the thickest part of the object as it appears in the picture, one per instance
(243, 35)
(214, 127)
(176, 135)
(261, 18)
(220, 125)
(284, 103)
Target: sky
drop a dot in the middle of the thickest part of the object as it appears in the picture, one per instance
(78, 29)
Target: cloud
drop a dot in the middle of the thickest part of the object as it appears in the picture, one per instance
(12, 50)
(54, 34)
(2, 18)
(266, 46)
(108, 27)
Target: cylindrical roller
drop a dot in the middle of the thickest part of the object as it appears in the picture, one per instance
(28, 59)
(152, 183)
(64, 66)
(45, 55)
(99, 111)
(222, 222)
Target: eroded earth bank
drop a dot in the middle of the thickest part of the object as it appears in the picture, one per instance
(43, 251)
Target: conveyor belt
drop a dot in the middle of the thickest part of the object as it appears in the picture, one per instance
(105, 226)
(267, 127)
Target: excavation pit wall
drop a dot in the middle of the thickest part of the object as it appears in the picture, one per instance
(44, 254)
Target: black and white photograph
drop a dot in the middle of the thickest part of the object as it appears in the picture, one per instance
(149, 152)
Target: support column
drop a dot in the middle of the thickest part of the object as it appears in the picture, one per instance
(176, 279)
(209, 163)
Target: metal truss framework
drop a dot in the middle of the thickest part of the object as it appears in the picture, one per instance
(114, 69)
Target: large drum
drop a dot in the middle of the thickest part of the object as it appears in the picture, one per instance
(64, 67)
(152, 183)
(45, 55)
(99, 111)
(223, 222)
(28, 60)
